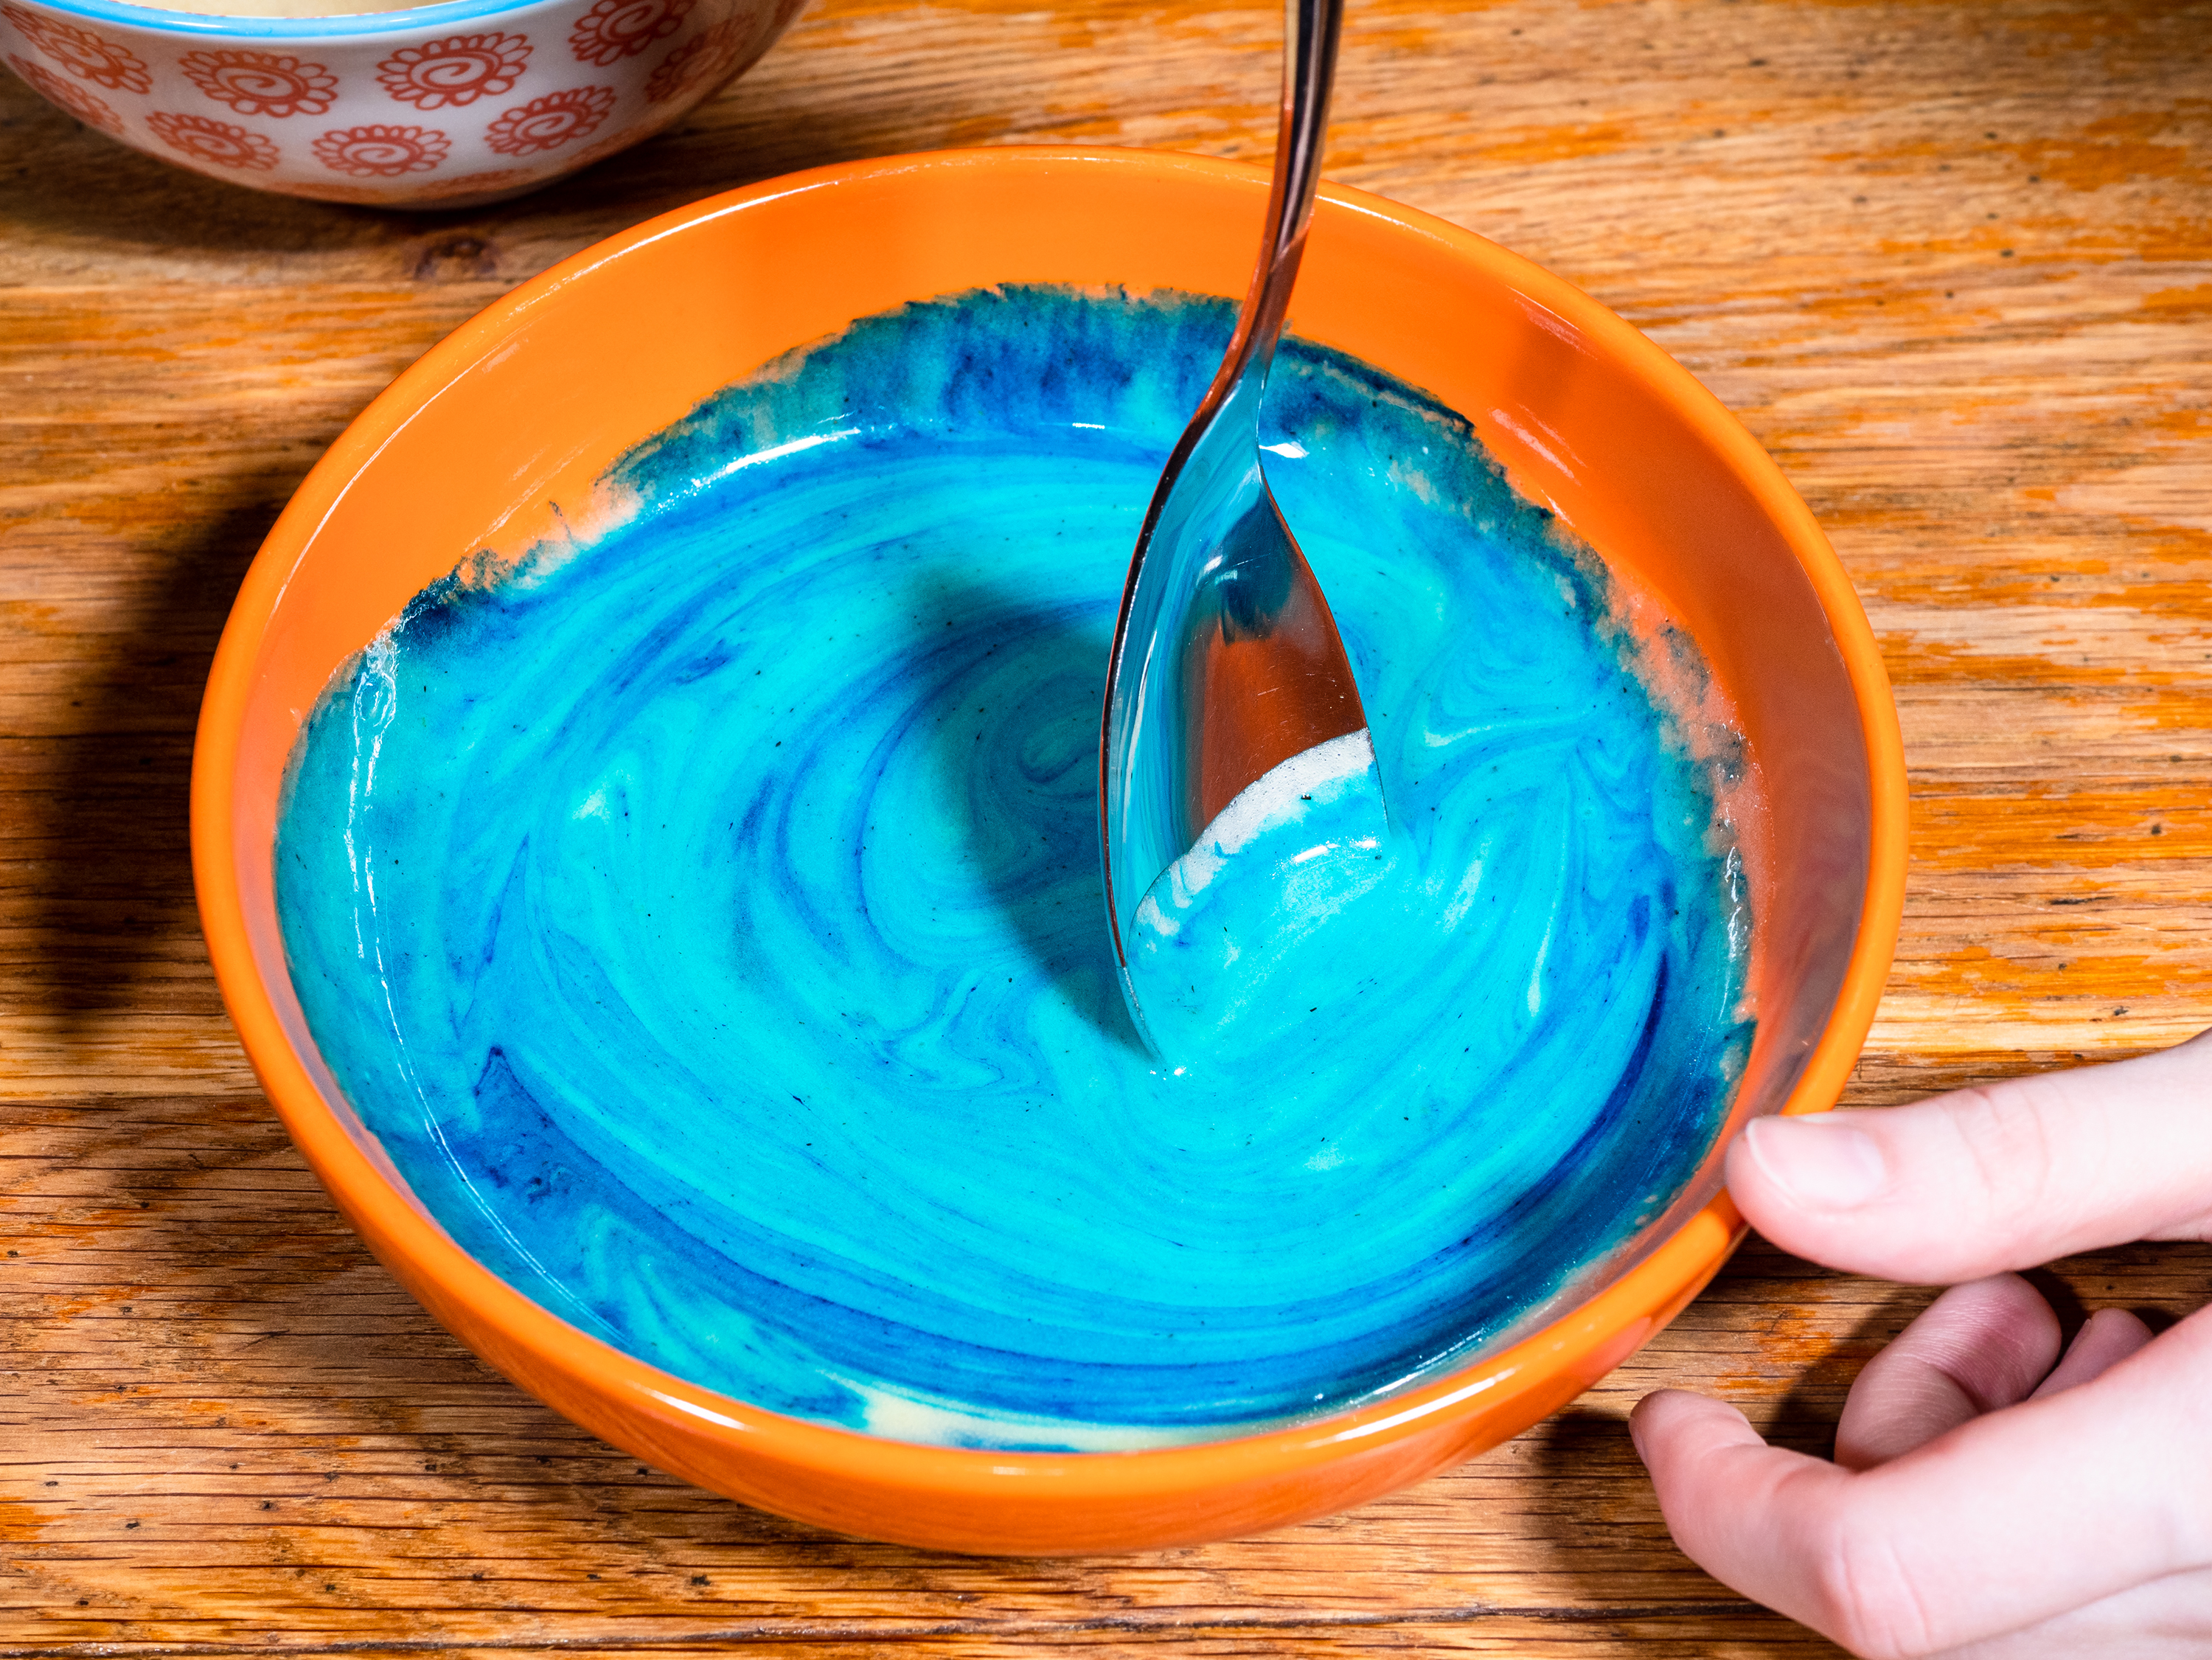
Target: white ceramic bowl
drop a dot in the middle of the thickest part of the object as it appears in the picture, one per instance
(439, 105)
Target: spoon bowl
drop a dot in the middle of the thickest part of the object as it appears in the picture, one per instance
(1226, 667)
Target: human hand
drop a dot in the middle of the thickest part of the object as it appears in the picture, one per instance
(1982, 1502)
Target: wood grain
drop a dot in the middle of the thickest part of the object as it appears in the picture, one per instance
(1948, 259)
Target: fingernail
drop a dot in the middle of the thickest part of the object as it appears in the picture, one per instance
(1821, 1163)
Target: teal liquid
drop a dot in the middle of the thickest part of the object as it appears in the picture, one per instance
(709, 921)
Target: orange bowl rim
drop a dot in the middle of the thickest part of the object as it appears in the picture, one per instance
(395, 1227)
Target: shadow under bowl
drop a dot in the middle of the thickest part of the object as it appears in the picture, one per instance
(531, 403)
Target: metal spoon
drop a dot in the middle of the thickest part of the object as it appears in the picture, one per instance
(1226, 662)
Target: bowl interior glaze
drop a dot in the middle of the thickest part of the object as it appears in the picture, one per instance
(498, 438)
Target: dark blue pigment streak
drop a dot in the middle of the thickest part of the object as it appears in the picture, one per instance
(708, 920)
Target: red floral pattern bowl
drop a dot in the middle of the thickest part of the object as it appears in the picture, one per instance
(431, 107)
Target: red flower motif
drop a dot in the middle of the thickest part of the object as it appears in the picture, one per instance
(456, 70)
(75, 99)
(620, 28)
(706, 56)
(261, 82)
(214, 141)
(376, 152)
(81, 53)
(549, 122)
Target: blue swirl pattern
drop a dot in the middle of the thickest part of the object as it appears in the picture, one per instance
(707, 921)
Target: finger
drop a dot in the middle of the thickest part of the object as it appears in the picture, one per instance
(2168, 1619)
(2008, 1520)
(1711, 1470)
(1979, 1346)
(1970, 1184)
(2109, 1337)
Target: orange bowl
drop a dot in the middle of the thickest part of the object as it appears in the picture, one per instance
(530, 403)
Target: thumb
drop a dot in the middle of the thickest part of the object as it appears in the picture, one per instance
(1984, 1181)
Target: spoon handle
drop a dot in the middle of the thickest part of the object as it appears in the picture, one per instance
(1311, 28)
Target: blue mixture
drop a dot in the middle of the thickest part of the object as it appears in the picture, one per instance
(708, 923)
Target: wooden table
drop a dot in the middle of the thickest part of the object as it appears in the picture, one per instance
(1948, 259)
